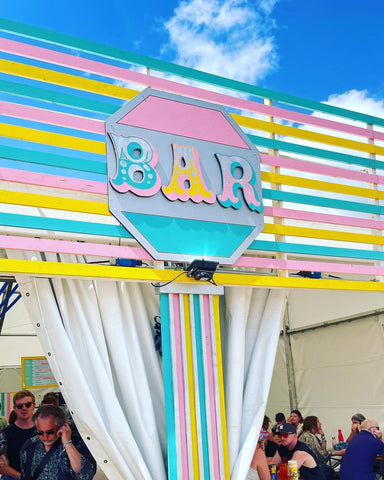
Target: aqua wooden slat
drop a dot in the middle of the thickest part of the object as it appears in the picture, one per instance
(316, 152)
(62, 225)
(316, 250)
(322, 201)
(168, 386)
(53, 160)
(55, 97)
(160, 65)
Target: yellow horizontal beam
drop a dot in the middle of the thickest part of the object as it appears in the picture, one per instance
(294, 132)
(50, 138)
(66, 80)
(75, 270)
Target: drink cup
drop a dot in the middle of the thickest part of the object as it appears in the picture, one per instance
(283, 470)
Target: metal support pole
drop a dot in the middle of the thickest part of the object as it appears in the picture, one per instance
(289, 363)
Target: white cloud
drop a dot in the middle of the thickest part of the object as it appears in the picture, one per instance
(232, 38)
(359, 101)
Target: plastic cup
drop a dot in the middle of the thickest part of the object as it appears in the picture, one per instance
(283, 471)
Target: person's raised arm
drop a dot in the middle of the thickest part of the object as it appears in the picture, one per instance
(74, 456)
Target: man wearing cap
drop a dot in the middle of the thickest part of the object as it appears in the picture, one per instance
(359, 458)
(293, 449)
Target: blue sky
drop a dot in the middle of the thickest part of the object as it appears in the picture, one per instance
(325, 50)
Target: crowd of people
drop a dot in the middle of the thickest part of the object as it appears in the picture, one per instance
(42, 444)
(303, 440)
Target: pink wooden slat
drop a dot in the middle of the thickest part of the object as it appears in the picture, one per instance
(92, 66)
(294, 265)
(114, 251)
(53, 118)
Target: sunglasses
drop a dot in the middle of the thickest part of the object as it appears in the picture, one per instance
(26, 404)
(48, 432)
(284, 434)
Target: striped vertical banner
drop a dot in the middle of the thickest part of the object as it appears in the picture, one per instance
(6, 400)
(194, 392)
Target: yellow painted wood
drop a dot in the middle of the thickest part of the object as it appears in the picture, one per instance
(50, 138)
(56, 203)
(294, 231)
(66, 80)
(75, 270)
(306, 134)
(321, 185)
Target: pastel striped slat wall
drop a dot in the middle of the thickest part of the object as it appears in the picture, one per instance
(321, 165)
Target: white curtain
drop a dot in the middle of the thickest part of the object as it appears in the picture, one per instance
(98, 337)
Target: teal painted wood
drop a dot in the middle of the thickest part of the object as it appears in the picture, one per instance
(264, 245)
(52, 160)
(316, 152)
(162, 66)
(59, 98)
(63, 225)
(323, 201)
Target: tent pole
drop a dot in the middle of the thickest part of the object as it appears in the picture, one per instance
(289, 362)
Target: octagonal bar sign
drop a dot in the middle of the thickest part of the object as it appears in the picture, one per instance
(183, 178)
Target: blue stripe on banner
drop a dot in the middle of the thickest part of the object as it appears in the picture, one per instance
(201, 384)
(168, 386)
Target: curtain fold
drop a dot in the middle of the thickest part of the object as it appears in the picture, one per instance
(98, 338)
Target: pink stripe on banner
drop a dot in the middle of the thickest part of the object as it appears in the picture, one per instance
(92, 66)
(321, 169)
(53, 181)
(211, 384)
(52, 118)
(180, 387)
(75, 248)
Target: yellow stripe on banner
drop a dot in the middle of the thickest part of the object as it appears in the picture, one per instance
(76, 270)
(66, 80)
(293, 231)
(191, 387)
(285, 130)
(51, 202)
(320, 185)
(49, 138)
(216, 316)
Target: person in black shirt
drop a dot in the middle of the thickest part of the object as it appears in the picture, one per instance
(293, 449)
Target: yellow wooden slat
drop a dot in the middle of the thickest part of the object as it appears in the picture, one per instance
(51, 202)
(49, 138)
(294, 132)
(293, 231)
(75, 270)
(321, 185)
(66, 80)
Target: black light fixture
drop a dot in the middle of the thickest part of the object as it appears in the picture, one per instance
(201, 270)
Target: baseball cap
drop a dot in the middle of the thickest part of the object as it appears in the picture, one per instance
(286, 428)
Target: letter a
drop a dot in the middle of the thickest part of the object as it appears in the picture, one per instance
(187, 181)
